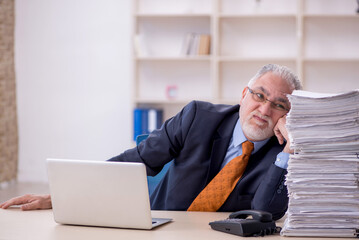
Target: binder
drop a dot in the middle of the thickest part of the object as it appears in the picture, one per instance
(146, 120)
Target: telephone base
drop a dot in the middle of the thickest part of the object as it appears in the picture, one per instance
(244, 227)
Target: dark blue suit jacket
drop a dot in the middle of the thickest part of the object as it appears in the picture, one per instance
(197, 139)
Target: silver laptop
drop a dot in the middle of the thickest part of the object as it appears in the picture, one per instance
(98, 193)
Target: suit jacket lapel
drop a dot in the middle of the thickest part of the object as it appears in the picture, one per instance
(220, 145)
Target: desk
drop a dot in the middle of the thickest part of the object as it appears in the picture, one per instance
(16, 224)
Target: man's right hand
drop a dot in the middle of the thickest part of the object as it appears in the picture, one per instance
(29, 202)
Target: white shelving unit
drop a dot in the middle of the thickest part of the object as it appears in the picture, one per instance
(317, 39)
(331, 49)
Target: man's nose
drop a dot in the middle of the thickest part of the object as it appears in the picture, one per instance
(265, 108)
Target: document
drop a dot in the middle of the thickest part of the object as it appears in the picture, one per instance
(323, 172)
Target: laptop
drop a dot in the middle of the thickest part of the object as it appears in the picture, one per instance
(99, 193)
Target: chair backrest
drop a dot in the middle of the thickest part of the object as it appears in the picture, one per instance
(153, 180)
(140, 138)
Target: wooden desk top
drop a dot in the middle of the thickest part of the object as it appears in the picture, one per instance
(17, 224)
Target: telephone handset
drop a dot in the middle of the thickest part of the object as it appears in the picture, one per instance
(259, 215)
(238, 223)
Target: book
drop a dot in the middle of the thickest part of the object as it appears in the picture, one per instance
(204, 45)
(195, 44)
(137, 119)
(140, 46)
(187, 43)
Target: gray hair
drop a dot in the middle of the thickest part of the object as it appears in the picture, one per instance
(282, 71)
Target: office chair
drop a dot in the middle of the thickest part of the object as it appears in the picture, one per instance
(153, 180)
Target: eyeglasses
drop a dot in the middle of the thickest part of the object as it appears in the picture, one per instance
(260, 97)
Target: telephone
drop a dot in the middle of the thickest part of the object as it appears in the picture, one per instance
(237, 223)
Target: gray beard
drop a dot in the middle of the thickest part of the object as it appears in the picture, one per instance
(255, 133)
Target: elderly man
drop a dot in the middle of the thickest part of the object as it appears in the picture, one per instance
(226, 158)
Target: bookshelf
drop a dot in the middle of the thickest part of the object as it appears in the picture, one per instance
(317, 39)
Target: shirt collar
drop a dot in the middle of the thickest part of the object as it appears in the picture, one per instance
(239, 138)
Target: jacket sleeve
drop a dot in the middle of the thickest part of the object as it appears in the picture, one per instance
(163, 144)
(272, 194)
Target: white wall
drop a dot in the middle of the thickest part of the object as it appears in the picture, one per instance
(73, 71)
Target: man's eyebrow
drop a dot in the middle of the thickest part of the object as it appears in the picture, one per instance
(283, 100)
(264, 90)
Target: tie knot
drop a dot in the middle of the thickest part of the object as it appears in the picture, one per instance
(247, 147)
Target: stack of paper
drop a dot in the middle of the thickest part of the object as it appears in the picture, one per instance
(323, 173)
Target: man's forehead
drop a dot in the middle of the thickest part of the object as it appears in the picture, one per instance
(272, 84)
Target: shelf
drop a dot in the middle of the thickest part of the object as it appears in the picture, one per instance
(228, 101)
(173, 58)
(331, 38)
(182, 102)
(167, 101)
(255, 59)
(349, 16)
(320, 76)
(331, 60)
(258, 37)
(174, 15)
(156, 37)
(219, 59)
(175, 7)
(331, 8)
(269, 8)
(318, 40)
(239, 16)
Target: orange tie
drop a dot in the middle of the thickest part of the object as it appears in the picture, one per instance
(217, 191)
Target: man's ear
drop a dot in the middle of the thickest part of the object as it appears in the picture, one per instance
(244, 93)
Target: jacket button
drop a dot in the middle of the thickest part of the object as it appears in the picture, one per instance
(279, 191)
